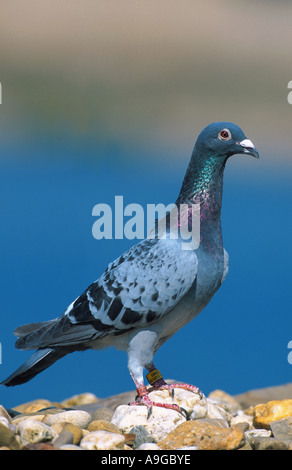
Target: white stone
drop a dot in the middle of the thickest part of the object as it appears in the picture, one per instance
(215, 411)
(102, 440)
(7, 423)
(251, 433)
(190, 401)
(23, 417)
(198, 412)
(242, 418)
(158, 425)
(31, 432)
(80, 418)
(148, 446)
(4, 414)
(4, 421)
(162, 420)
(227, 401)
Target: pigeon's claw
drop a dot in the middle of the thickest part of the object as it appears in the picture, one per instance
(158, 383)
(184, 386)
(145, 400)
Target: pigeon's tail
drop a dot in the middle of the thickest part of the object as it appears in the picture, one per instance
(32, 336)
(39, 361)
(52, 340)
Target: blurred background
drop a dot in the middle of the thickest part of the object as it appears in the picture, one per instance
(105, 97)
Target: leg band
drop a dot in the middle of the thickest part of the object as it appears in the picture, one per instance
(141, 391)
(153, 376)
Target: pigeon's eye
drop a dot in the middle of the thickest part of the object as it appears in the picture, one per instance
(225, 134)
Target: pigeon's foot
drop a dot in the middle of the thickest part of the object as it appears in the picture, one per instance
(158, 383)
(171, 387)
(143, 399)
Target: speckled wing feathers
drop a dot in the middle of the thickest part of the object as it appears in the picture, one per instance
(138, 288)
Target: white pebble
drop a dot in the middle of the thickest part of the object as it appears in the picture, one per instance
(148, 446)
(4, 421)
(242, 418)
(70, 447)
(257, 433)
(215, 411)
(80, 418)
(158, 425)
(102, 440)
(32, 431)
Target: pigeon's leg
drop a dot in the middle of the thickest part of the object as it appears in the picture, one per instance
(156, 381)
(137, 359)
(143, 399)
(154, 376)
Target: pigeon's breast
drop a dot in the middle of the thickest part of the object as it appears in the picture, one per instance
(209, 278)
(211, 271)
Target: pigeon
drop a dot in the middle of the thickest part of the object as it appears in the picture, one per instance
(155, 288)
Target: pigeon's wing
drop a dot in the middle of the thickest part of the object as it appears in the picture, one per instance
(138, 288)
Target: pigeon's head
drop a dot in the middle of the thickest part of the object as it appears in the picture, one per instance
(224, 139)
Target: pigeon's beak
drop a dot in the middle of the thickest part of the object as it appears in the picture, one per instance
(248, 147)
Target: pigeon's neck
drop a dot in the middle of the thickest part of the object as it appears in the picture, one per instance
(203, 185)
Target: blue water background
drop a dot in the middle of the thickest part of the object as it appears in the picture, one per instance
(49, 256)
